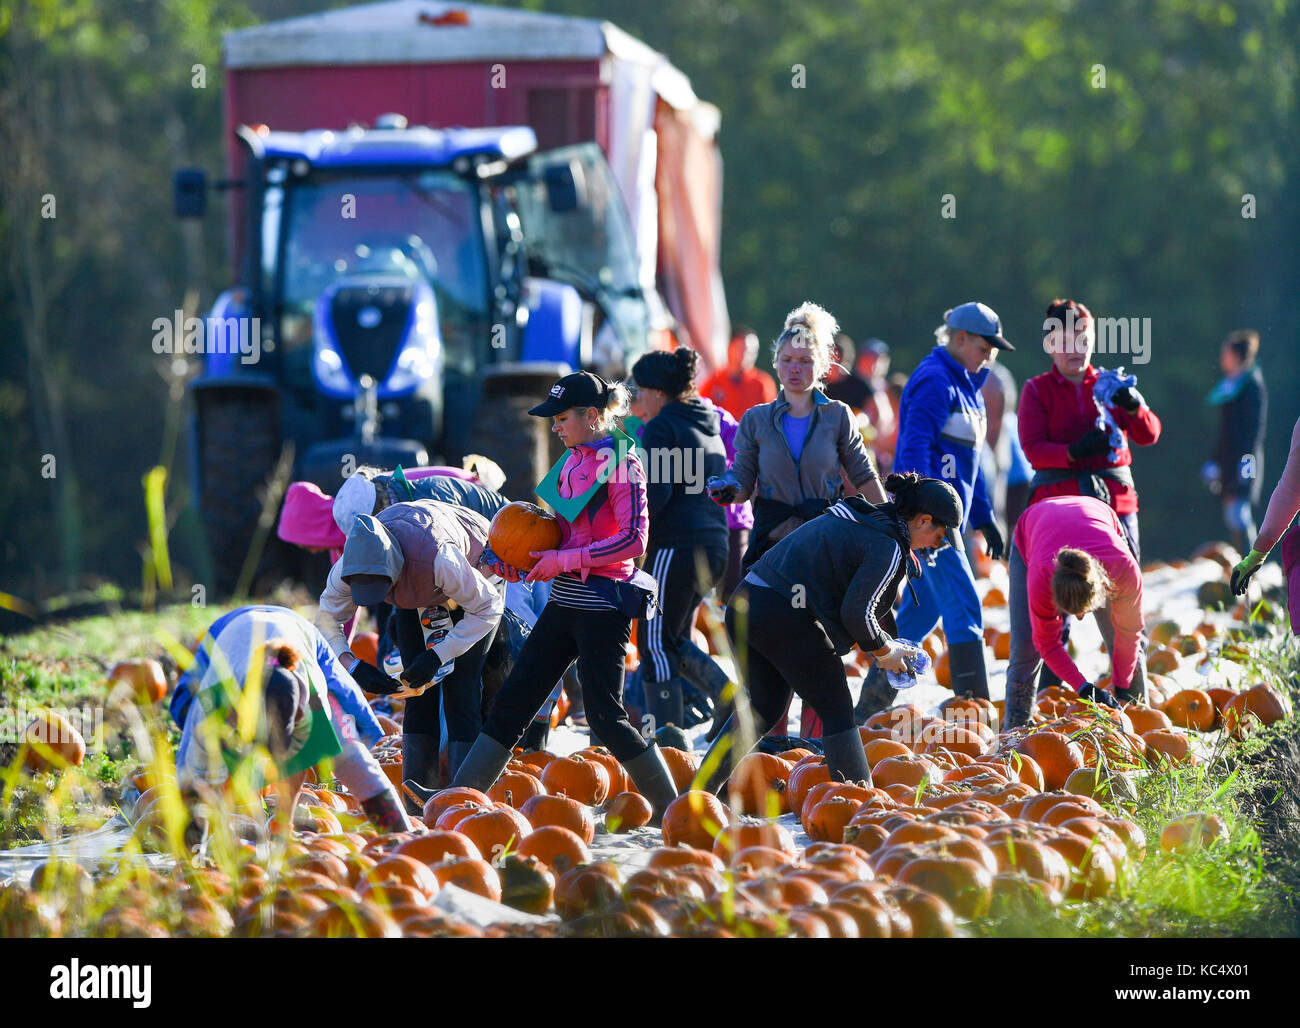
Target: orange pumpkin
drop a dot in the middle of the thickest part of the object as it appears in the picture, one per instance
(758, 785)
(1147, 719)
(476, 876)
(1191, 708)
(145, 678)
(1056, 754)
(496, 832)
(626, 811)
(1260, 705)
(558, 848)
(683, 766)
(694, 819)
(618, 779)
(563, 811)
(516, 788)
(435, 847)
(582, 779)
(1191, 831)
(51, 742)
(1168, 747)
(740, 835)
(453, 797)
(519, 529)
(966, 886)
(365, 646)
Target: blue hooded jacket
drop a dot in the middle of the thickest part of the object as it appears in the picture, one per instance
(942, 424)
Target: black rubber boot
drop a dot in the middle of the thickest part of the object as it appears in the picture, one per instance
(846, 757)
(482, 765)
(649, 771)
(419, 766)
(726, 761)
(663, 702)
(701, 670)
(877, 695)
(456, 753)
(1020, 704)
(966, 666)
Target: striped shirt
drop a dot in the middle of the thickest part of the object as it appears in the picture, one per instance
(571, 591)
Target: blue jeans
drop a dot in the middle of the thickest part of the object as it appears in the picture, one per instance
(947, 593)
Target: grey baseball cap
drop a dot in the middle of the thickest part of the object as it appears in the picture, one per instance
(371, 562)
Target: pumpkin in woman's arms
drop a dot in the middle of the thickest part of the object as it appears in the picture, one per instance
(520, 529)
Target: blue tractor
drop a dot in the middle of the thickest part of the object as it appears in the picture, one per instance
(409, 293)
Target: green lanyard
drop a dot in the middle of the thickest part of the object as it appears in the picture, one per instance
(570, 507)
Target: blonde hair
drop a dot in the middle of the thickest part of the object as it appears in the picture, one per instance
(620, 402)
(1079, 582)
(814, 328)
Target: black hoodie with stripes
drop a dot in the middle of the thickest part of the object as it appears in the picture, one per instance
(846, 567)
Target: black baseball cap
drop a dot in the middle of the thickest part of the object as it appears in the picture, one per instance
(581, 389)
(937, 498)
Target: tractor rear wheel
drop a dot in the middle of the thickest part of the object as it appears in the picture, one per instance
(239, 444)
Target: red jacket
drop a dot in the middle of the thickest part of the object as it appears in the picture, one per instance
(1089, 525)
(1054, 413)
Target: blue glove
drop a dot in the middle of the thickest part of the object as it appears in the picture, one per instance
(993, 539)
(422, 669)
(1101, 697)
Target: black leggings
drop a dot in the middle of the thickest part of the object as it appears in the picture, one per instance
(784, 650)
(685, 576)
(461, 692)
(597, 639)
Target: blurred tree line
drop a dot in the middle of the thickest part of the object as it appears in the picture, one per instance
(1100, 149)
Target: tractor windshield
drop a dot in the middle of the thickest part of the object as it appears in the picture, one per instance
(423, 224)
(587, 241)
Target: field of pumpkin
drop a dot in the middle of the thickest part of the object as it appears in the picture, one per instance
(1153, 820)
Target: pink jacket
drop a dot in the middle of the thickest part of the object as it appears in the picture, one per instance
(612, 530)
(1093, 526)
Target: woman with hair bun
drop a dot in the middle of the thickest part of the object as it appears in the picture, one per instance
(825, 587)
(1070, 555)
(687, 550)
(790, 452)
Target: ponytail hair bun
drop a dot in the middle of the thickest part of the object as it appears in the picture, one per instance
(1079, 582)
(671, 372)
(281, 654)
(811, 328)
(900, 485)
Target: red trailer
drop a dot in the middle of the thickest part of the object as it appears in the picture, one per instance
(570, 79)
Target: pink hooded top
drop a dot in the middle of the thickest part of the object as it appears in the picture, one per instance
(308, 520)
(1091, 525)
(612, 530)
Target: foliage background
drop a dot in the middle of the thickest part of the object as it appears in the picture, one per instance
(1128, 197)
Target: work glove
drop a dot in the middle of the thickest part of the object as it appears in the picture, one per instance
(1242, 572)
(494, 565)
(547, 566)
(898, 656)
(722, 491)
(372, 680)
(1092, 444)
(1128, 399)
(993, 539)
(1101, 697)
(422, 669)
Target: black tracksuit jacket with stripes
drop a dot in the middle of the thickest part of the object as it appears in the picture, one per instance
(845, 567)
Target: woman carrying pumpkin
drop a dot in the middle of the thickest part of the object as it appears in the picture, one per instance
(418, 556)
(310, 709)
(1070, 555)
(687, 550)
(825, 587)
(598, 491)
(790, 452)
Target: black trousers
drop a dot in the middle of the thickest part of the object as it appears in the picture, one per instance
(460, 693)
(685, 577)
(784, 650)
(597, 640)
